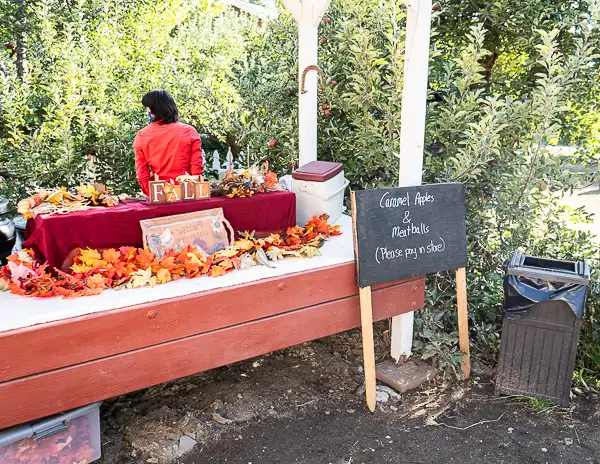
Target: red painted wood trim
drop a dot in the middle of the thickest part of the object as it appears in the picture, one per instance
(72, 341)
(43, 394)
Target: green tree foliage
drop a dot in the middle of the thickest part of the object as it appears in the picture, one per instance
(507, 82)
(73, 112)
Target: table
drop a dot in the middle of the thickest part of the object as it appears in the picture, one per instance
(56, 355)
(54, 237)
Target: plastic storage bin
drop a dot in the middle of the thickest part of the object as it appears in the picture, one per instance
(319, 187)
(544, 301)
(71, 437)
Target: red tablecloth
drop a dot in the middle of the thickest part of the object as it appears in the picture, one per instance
(53, 237)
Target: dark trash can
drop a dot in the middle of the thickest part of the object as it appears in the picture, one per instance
(544, 302)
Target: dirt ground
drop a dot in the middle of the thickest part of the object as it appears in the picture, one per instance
(306, 404)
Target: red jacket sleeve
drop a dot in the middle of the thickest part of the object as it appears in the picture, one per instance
(141, 168)
(196, 153)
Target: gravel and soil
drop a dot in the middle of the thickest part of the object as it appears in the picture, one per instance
(306, 405)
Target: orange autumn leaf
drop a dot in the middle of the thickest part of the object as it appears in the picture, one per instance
(177, 271)
(111, 255)
(323, 228)
(145, 257)
(296, 230)
(121, 269)
(182, 256)
(97, 281)
(167, 263)
(65, 292)
(293, 240)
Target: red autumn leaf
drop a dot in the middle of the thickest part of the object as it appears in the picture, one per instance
(127, 253)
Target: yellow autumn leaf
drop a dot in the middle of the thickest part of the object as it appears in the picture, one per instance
(163, 276)
(227, 253)
(244, 244)
(90, 257)
(309, 251)
(193, 258)
(87, 191)
(142, 278)
(80, 268)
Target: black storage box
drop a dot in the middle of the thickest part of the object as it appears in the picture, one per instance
(544, 302)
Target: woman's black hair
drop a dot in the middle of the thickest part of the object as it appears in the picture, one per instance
(162, 106)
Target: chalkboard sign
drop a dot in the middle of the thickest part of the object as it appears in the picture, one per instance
(411, 231)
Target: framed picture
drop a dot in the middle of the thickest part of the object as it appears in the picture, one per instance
(208, 230)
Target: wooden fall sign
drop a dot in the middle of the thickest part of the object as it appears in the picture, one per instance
(190, 188)
(408, 232)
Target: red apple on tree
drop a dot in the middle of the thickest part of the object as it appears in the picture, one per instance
(272, 143)
(333, 83)
(323, 40)
(326, 113)
(437, 7)
(326, 20)
(10, 46)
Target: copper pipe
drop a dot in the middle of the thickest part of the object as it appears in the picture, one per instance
(312, 67)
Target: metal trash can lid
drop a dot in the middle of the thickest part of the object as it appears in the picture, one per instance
(551, 270)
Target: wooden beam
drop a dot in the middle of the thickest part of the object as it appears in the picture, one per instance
(50, 392)
(71, 341)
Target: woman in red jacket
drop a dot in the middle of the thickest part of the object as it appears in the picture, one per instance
(166, 147)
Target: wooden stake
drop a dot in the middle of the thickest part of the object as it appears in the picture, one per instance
(366, 317)
(463, 320)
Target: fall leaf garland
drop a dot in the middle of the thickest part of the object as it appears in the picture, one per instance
(63, 200)
(246, 183)
(128, 267)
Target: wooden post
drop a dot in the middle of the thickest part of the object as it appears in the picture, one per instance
(366, 318)
(412, 133)
(463, 320)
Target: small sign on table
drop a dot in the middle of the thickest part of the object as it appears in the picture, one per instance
(189, 188)
(408, 232)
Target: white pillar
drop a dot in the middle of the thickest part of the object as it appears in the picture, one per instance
(412, 133)
(308, 14)
(308, 46)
